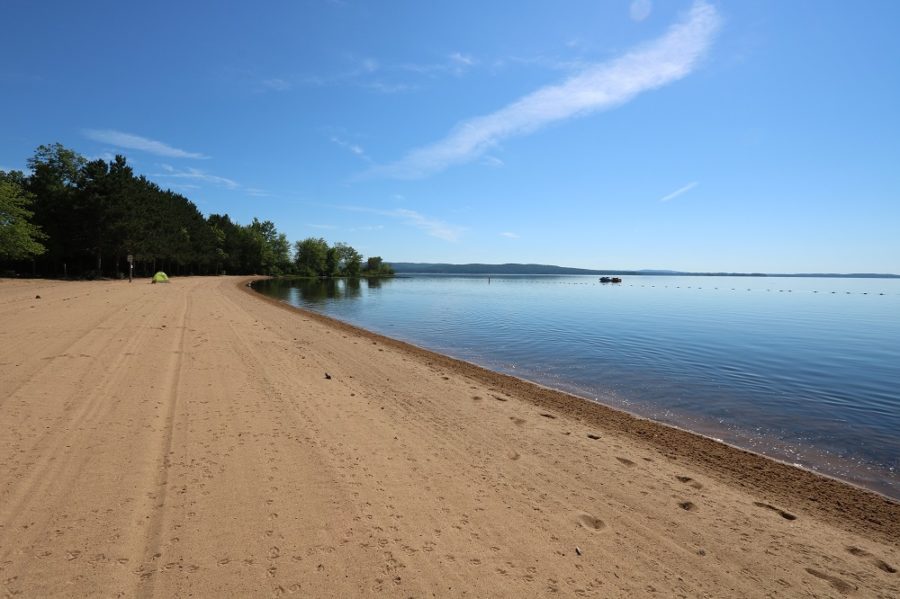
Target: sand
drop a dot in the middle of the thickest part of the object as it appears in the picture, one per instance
(184, 440)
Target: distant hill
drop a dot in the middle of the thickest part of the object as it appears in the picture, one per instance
(496, 269)
(550, 269)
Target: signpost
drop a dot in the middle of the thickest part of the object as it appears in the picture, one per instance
(130, 266)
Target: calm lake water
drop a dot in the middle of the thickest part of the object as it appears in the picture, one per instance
(803, 370)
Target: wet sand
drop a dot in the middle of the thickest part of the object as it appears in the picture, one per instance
(185, 439)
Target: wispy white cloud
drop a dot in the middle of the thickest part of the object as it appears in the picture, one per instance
(462, 59)
(598, 87)
(186, 187)
(196, 174)
(460, 63)
(640, 9)
(555, 63)
(130, 141)
(509, 235)
(192, 179)
(390, 88)
(276, 84)
(679, 191)
(434, 227)
(369, 65)
(455, 63)
(492, 161)
(390, 78)
(355, 149)
(431, 226)
(107, 156)
(348, 229)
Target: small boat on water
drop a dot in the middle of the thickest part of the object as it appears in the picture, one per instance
(610, 280)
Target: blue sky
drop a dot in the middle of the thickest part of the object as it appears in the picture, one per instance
(739, 136)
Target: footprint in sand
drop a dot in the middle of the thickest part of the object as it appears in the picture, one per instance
(779, 511)
(687, 506)
(880, 564)
(689, 481)
(545, 415)
(593, 436)
(841, 585)
(625, 461)
(591, 523)
(518, 421)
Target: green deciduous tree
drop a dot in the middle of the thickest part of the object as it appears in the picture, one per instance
(311, 257)
(314, 258)
(349, 260)
(19, 237)
(272, 249)
(376, 267)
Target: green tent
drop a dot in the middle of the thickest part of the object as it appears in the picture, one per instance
(160, 277)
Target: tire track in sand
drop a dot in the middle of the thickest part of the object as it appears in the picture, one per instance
(93, 330)
(158, 493)
(56, 466)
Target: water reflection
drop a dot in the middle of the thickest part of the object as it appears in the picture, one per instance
(318, 291)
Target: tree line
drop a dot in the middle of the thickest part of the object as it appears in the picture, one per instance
(75, 217)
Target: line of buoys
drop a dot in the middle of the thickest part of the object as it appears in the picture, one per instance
(616, 279)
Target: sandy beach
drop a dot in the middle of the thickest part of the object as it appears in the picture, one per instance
(197, 439)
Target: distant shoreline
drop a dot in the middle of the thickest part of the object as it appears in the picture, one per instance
(425, 268)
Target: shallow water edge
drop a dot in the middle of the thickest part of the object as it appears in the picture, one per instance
(769, 448)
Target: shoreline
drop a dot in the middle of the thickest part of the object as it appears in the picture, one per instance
(727, 437)
(878, 513)
(192, 440)
(774, 373)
